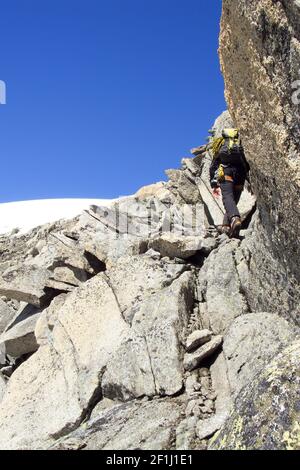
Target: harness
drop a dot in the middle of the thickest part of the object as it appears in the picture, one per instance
(222, 177)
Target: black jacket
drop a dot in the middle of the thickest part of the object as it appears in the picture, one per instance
(239, 163)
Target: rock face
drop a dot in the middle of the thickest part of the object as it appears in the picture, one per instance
(127, 426)
(141, 313)
(148, 362)
(64, 374)
(132, 326)
(251, 341)
(219, 276)
(19, 338)
(260, 58)
(138, 326)
(266, 412)
(25, 284)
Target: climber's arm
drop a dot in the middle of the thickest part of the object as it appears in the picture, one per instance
(212, 172)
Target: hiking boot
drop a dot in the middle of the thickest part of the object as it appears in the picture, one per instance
(235, 227)
(223, 229)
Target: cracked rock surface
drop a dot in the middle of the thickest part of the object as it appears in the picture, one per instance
(262, 91)
(118, 333)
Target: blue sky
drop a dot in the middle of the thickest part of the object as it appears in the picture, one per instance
(104, 95)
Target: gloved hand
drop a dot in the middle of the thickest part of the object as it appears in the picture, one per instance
(217, 192)
(214, 184)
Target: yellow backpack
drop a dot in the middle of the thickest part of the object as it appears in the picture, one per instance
(230, 138)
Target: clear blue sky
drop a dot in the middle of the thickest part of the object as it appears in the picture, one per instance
(104, 95)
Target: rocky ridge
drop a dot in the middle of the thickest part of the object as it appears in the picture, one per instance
(134, 313)
(141, 313)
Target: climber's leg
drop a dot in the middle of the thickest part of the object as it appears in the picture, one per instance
(230, 200)
(230, 205)
(237, 192)
(226, 220)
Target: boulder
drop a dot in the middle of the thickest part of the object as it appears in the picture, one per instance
(247, 203)
(175, 246)
(158, 190)
(194, 359)
(183, 186)
(251, 342)
(197, 338)
(129, 217)
(134, 278)
(209, 426)
(208, 244)
(148, 362)
(18, 338)
(36, 281)
(78, 335)
(119, 427)
(266, 412)
(61, 251)
(25, 284)
(107, 252)
(64, 374)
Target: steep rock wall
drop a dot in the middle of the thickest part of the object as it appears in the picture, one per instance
(260, 60)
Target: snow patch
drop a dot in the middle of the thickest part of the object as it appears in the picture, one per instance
(26, 215)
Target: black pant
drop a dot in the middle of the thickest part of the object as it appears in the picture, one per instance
(231, 191)
(231, 196)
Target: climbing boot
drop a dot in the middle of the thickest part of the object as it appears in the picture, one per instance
(223, 229)
(235, 227)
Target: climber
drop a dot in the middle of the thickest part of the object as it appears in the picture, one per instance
(228, 172)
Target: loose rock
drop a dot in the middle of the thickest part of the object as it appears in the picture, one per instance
(193, 360)
(197, 338)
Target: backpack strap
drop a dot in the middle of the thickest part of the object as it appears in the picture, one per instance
(215, 145)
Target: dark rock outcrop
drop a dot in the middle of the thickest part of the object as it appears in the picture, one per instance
(266, 415)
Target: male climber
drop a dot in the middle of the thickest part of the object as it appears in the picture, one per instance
(229, 171)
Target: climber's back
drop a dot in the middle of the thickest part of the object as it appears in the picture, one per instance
(229, 171)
